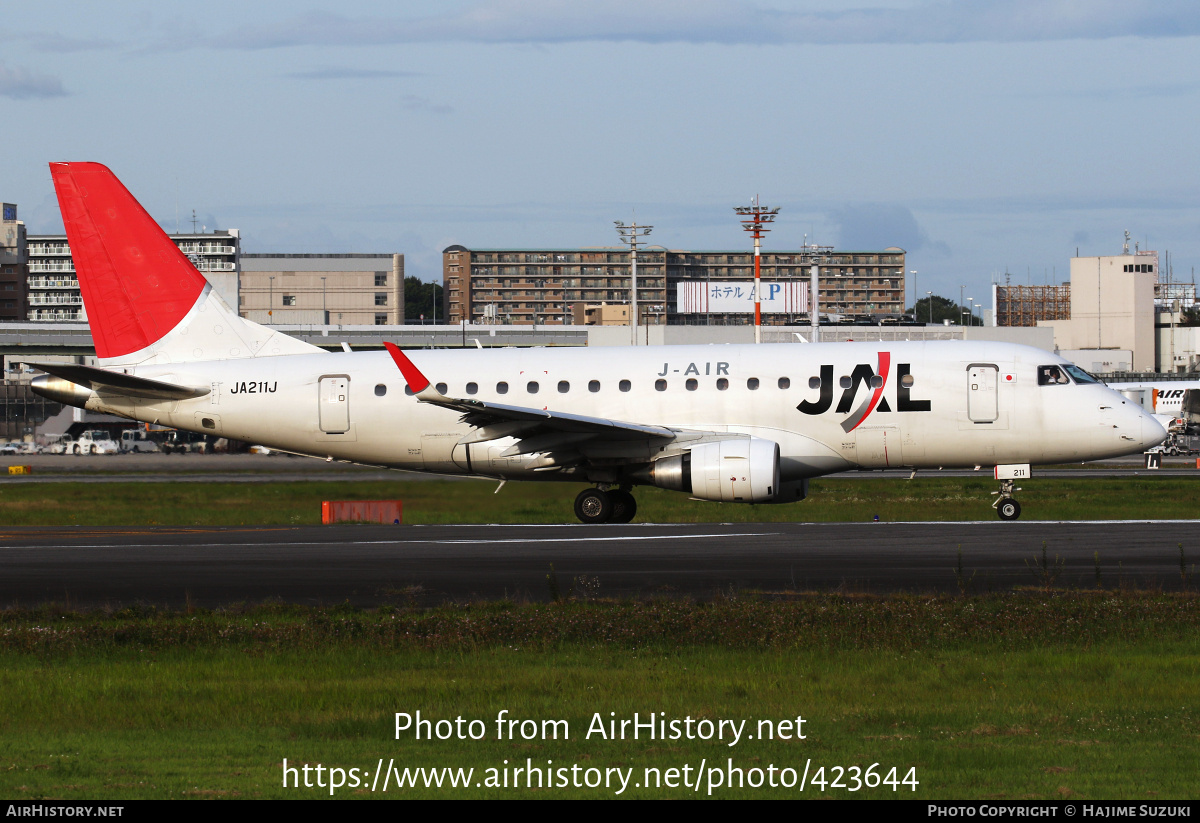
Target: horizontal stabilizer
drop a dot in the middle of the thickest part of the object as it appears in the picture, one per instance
(100, 380)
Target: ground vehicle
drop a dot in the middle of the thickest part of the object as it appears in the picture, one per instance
(16, 447)
(1177, 444)
(95, 441)
(184, 442)
(137, 440)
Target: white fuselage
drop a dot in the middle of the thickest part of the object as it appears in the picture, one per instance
(903, 404)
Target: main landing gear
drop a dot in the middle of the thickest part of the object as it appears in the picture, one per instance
(1005, 506)
(605, 506)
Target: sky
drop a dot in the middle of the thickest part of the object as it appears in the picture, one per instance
(983, 137)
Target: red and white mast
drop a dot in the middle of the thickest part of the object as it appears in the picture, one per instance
(754, 219)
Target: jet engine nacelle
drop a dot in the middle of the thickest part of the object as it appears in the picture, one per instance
(744, 470)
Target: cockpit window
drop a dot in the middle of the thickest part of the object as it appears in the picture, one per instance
(1052, 376)
(1080, 375)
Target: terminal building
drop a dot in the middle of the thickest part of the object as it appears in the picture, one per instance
(538, 286)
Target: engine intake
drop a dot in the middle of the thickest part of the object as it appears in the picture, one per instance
(744, 470)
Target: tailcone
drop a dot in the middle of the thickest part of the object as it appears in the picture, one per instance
(60, 390)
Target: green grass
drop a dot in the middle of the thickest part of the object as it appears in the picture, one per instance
(1069, 695)
(831, 499)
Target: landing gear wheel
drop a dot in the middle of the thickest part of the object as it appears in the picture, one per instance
(624, 506)
(1008, 509)
(593, 506)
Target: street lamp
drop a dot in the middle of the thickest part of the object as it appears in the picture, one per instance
(916, 293)
(271, 298)
(929, 295)
(960, 303)
(631, 236)
(324, 310)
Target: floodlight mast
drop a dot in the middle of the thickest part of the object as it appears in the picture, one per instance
(753, 220)
(632, 236)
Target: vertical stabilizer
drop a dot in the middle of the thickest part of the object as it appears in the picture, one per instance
(145, 300)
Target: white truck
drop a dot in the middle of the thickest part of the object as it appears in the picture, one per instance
(136, 440)
(95, 441)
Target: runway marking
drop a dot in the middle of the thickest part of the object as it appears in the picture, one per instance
(463, 541)
(597, 539)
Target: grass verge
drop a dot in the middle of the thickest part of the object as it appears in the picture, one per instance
(1065, 695)
(184, 503)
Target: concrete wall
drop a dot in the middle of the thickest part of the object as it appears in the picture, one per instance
(1036, 336)
(1100, 361)
(1110, 309)
(1183, 354)
(298, 287)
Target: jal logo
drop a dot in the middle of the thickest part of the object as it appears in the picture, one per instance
(875, 379)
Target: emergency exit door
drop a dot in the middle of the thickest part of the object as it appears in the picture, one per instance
(981, 392)
(334, 404)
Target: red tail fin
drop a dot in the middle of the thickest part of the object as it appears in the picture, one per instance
(137, 285)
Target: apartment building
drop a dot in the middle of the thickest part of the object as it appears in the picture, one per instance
(534, 286)
(53, 288)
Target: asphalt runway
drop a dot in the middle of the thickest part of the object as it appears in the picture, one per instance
(371, 565)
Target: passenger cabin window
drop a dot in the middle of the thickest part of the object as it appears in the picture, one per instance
(906, 381)
(472, 388)
(845, 382)
(408, 390)
(752, 383)
(532, 387)
(624, 385)
(501, 388)
(691, 384)
(563, 387)
(1052, 376)
(442, 388)
(594, 386)
(380, 390)
(660, 385)
(722, 384)
(785, 382)
(876, 381)
(814, 382)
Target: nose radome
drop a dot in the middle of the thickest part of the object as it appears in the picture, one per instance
(1152, 431)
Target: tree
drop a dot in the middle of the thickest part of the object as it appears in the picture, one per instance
(943, 309)
(418, 300)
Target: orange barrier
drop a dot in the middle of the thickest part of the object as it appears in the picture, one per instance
(29, 469)
(362, 511)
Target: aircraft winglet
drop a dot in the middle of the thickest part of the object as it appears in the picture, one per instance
(412, 375)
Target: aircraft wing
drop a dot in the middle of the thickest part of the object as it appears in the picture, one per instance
(102, 380)
(539, 430)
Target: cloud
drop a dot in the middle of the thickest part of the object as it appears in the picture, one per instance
(880, 225)
(22, 84)
(413, 102)
(336, 73)
(58, 44)
(733, 22)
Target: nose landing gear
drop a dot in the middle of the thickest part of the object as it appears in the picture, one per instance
(605, 506)
(1006, 507)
